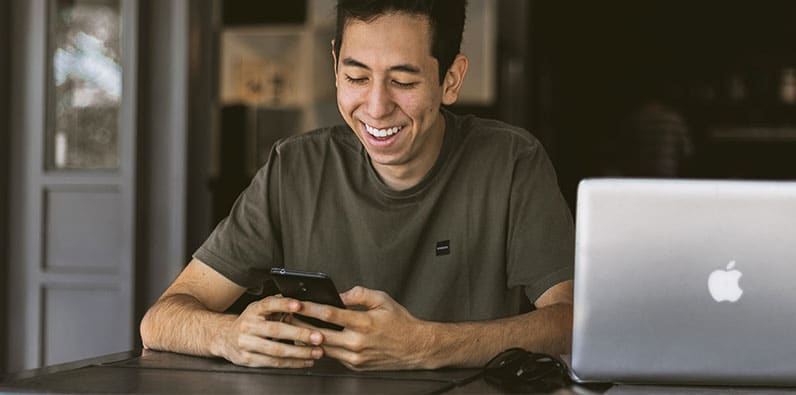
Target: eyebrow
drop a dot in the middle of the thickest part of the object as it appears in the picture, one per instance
(406, 68)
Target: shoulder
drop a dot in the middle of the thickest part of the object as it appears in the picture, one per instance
(318, 141)
(493, 137)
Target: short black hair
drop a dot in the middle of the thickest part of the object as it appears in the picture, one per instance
(445, 16)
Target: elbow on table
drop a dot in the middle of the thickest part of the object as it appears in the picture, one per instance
(146, 328)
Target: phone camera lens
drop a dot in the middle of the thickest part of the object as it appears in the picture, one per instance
(302, 286)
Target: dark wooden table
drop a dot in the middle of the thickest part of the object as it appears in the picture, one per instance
(160, 372)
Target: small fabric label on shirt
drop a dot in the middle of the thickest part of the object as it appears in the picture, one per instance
(443, 247)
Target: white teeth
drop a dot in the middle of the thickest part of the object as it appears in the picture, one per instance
(382, 132)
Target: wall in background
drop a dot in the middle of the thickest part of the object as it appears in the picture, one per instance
(204, 24)
(177, 95)
(162, 148)
(725, 71)
(5, 10)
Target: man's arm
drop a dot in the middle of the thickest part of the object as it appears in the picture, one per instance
(548, 329)
(387, 336)
(188, 318)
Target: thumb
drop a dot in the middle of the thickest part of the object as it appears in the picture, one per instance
(361, 296)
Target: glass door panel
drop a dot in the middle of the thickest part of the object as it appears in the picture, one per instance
(85, 84)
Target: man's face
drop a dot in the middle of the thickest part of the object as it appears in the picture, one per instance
(388, 92)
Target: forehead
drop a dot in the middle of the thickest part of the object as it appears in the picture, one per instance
(393, 33)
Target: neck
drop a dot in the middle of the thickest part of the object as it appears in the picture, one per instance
(399, 179)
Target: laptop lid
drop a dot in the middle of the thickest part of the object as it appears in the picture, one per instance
(685, 281)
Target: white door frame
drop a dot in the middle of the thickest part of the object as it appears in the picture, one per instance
(173, 87)
(38, 290)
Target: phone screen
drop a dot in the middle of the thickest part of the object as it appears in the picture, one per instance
(314, 287)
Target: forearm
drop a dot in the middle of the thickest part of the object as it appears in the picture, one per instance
(180, 323)
(469, 344)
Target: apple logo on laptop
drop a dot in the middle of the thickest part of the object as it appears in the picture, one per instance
(723, 284)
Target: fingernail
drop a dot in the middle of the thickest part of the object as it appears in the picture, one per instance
(316, 338)
(317, 353)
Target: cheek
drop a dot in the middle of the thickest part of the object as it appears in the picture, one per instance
(416, 105)
(346, 99)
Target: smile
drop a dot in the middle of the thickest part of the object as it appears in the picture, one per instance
(381, 133)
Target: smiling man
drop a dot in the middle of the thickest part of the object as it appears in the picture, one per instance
(389, 93)
(448, 232)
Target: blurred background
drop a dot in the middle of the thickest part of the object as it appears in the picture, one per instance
(130, 126)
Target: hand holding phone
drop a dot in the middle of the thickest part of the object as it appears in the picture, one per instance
(314, 287)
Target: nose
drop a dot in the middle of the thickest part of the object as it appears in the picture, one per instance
(379, 101)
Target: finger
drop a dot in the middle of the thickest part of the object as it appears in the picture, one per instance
(271, 348)
(331, 314)
(273, 304)
(361, 296)
(326, 333)
(257, 360)
(302, 324)
(352, 360)
(285, 331)
(347, 338)
(291, 320)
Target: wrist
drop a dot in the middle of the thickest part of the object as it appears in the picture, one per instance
(218, 339)
(435, 354)
(458, 344)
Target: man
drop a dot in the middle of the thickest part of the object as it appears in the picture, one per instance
(442, 228)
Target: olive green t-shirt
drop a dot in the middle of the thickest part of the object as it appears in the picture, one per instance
(485, 231)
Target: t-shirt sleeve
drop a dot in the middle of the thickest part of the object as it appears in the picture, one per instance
(245, 245)
(541, 239)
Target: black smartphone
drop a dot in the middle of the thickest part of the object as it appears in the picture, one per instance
(314, 287)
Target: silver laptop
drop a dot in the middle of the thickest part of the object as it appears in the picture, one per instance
(685, 282)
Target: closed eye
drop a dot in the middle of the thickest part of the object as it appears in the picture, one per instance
(356, 81)
(404, 84)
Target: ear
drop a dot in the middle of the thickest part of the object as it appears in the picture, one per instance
(453, 80)
(334, 64)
